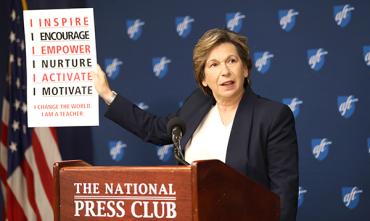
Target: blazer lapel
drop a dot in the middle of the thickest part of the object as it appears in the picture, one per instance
(194, 117)
(238, 146)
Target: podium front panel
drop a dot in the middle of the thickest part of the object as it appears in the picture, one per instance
(125, 193)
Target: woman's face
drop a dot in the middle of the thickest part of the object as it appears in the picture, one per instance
(224, 72)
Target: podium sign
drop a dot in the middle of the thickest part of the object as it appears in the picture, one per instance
(101, 193)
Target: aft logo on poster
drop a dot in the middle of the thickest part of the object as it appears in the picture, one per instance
(112, 67)
(184, 25)
(134, 28)
(160, 66)
(263, 61)
(164, 152)
(346, 105)
(366, 52)
(316, 58)
(351, 196)
(117, 149)
(343, 14)
(320, 148)
(301, 194)
(287, 19)
(294, 105)
(234, 21)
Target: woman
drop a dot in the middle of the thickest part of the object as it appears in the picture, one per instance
(225, 120)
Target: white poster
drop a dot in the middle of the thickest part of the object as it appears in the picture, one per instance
(61, 53)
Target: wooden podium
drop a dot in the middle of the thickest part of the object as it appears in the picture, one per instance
(206, 190)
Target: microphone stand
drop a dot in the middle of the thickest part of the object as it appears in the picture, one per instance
(177, 149)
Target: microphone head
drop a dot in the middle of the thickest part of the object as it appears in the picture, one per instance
(176, 122)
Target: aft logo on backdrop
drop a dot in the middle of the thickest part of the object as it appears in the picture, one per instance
(180, 104)
(142, 106)
(160, 66)
(351, 196)
(164, 153)
(320, 148)
(134, 28)
(287, 19)
(301, 194)
(263, 61)
(234, 21)
(294, 105)
(112, 67)
(366, 52)
(117, 149)
(346, 105)
(368, 144)
(343, 14)
(183, 26)
(316, 58)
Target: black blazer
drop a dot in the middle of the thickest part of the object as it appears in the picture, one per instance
(262, 143)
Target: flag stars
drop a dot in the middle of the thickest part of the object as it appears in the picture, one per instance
(13, 147)
(19, 42)
(24, 129)
(24, 107)
(7, 79)
(13, 15)
(17, 104)
(18, 83)
(22, 45)
(11, 58)
(15, 125)
(19, 62)
(12, 37)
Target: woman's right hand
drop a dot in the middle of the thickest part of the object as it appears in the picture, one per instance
(101, 84)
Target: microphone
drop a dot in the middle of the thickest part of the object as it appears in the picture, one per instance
(176, 128)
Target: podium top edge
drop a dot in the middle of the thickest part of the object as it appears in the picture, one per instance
(125, 168)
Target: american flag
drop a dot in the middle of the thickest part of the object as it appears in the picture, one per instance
(26, 154)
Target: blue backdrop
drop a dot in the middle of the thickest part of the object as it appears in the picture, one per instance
(311, 55)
